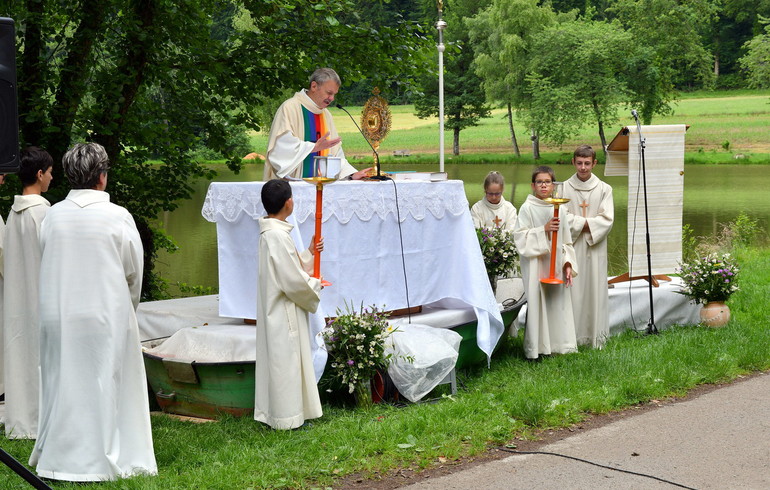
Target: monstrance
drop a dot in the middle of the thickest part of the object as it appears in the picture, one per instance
(375, 123)
(557, 201)
(325, 170)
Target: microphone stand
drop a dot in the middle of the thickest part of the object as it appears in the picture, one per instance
(376, 155)
(651, 328)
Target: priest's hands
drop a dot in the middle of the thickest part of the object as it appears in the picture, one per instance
(567, 275)
(324, 143)
(316, 247)
(361, 174)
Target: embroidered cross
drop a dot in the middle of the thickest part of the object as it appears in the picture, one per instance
(497, 221)
(584, 206)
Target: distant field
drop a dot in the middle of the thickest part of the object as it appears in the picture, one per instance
(741, 118)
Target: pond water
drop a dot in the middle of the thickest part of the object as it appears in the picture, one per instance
(714, 195)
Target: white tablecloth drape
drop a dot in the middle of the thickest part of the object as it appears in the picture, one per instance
(363, 247)
(629, 305)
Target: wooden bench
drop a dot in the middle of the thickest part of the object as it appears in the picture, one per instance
(401, 153)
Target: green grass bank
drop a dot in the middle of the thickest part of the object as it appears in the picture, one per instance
(506, 402)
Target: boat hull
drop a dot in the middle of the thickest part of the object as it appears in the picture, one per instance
(206, 389)
(212, 389)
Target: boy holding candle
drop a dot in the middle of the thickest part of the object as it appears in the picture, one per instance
(286, 393)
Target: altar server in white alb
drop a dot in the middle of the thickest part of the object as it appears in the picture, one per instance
(22, 274)
(94, 415)
(286, 393)
(550, 326)
(2, 354)
(303, 128)
(493, 211)
(592, 213)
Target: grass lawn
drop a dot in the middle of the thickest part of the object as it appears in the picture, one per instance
(493, 406)
(740, 118)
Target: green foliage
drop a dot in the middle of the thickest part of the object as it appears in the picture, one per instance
(195, 290)
(669, 35)
(743, 231)
(157, 82)
(502, 35)
(464, 101)
(689, 244)
(755, 62)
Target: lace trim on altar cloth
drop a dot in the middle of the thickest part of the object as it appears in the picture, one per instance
(342, 200)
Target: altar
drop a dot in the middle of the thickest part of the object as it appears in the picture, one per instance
(389, 244)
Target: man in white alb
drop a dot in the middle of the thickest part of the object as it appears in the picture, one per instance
(591, 216)
(2, 362)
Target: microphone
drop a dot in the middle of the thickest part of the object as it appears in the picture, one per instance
(376, 155)
(633, 113)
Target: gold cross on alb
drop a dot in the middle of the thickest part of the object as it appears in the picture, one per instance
(497, 221)
(584, 206)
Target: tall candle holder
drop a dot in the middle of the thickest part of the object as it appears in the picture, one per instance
(556, 200)
(326, 170)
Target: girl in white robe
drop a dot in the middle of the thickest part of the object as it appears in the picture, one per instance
(493, 211)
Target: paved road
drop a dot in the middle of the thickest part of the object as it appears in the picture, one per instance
(719, 440)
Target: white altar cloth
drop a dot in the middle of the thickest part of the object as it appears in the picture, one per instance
(629, 306)
(163, 318)
(211, 343)
(362, 257)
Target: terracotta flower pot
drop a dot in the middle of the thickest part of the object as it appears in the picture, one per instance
(715, 314)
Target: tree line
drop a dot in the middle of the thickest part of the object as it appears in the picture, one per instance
(567, 64)
(154, 81)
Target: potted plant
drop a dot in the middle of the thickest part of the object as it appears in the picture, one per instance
(499, 251)
(711, 280)
(355, 341)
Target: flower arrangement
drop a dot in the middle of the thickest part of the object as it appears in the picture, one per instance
(709, 278)
(499, 251)
(356, 344)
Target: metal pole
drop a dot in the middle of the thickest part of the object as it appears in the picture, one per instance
(440, 25)
(651, 327)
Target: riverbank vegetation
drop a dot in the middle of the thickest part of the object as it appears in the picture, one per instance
(509, 402)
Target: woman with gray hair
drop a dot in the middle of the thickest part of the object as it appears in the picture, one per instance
(94, 416)
(84, 164)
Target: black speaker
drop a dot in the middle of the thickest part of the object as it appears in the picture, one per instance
(9, 112)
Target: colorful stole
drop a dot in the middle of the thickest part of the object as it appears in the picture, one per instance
(315, 128)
